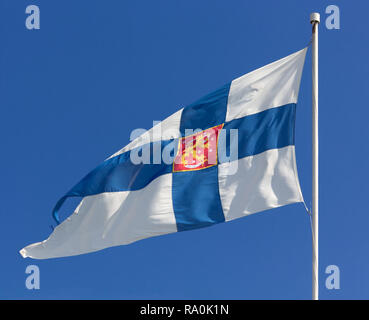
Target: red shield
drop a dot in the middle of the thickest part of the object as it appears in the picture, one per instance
(198, 151)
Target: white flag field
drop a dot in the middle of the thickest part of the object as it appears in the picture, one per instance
(225, 156)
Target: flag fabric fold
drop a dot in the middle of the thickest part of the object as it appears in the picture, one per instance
(238, 159)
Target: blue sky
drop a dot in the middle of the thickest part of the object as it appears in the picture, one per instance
(72, 92)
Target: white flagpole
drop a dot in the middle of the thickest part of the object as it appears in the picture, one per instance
(315, 20)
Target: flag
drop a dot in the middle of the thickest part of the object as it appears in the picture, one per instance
(228, 155)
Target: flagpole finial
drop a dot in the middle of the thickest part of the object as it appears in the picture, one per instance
(314, 17)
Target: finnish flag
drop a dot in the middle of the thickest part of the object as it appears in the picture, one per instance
(228, 155)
